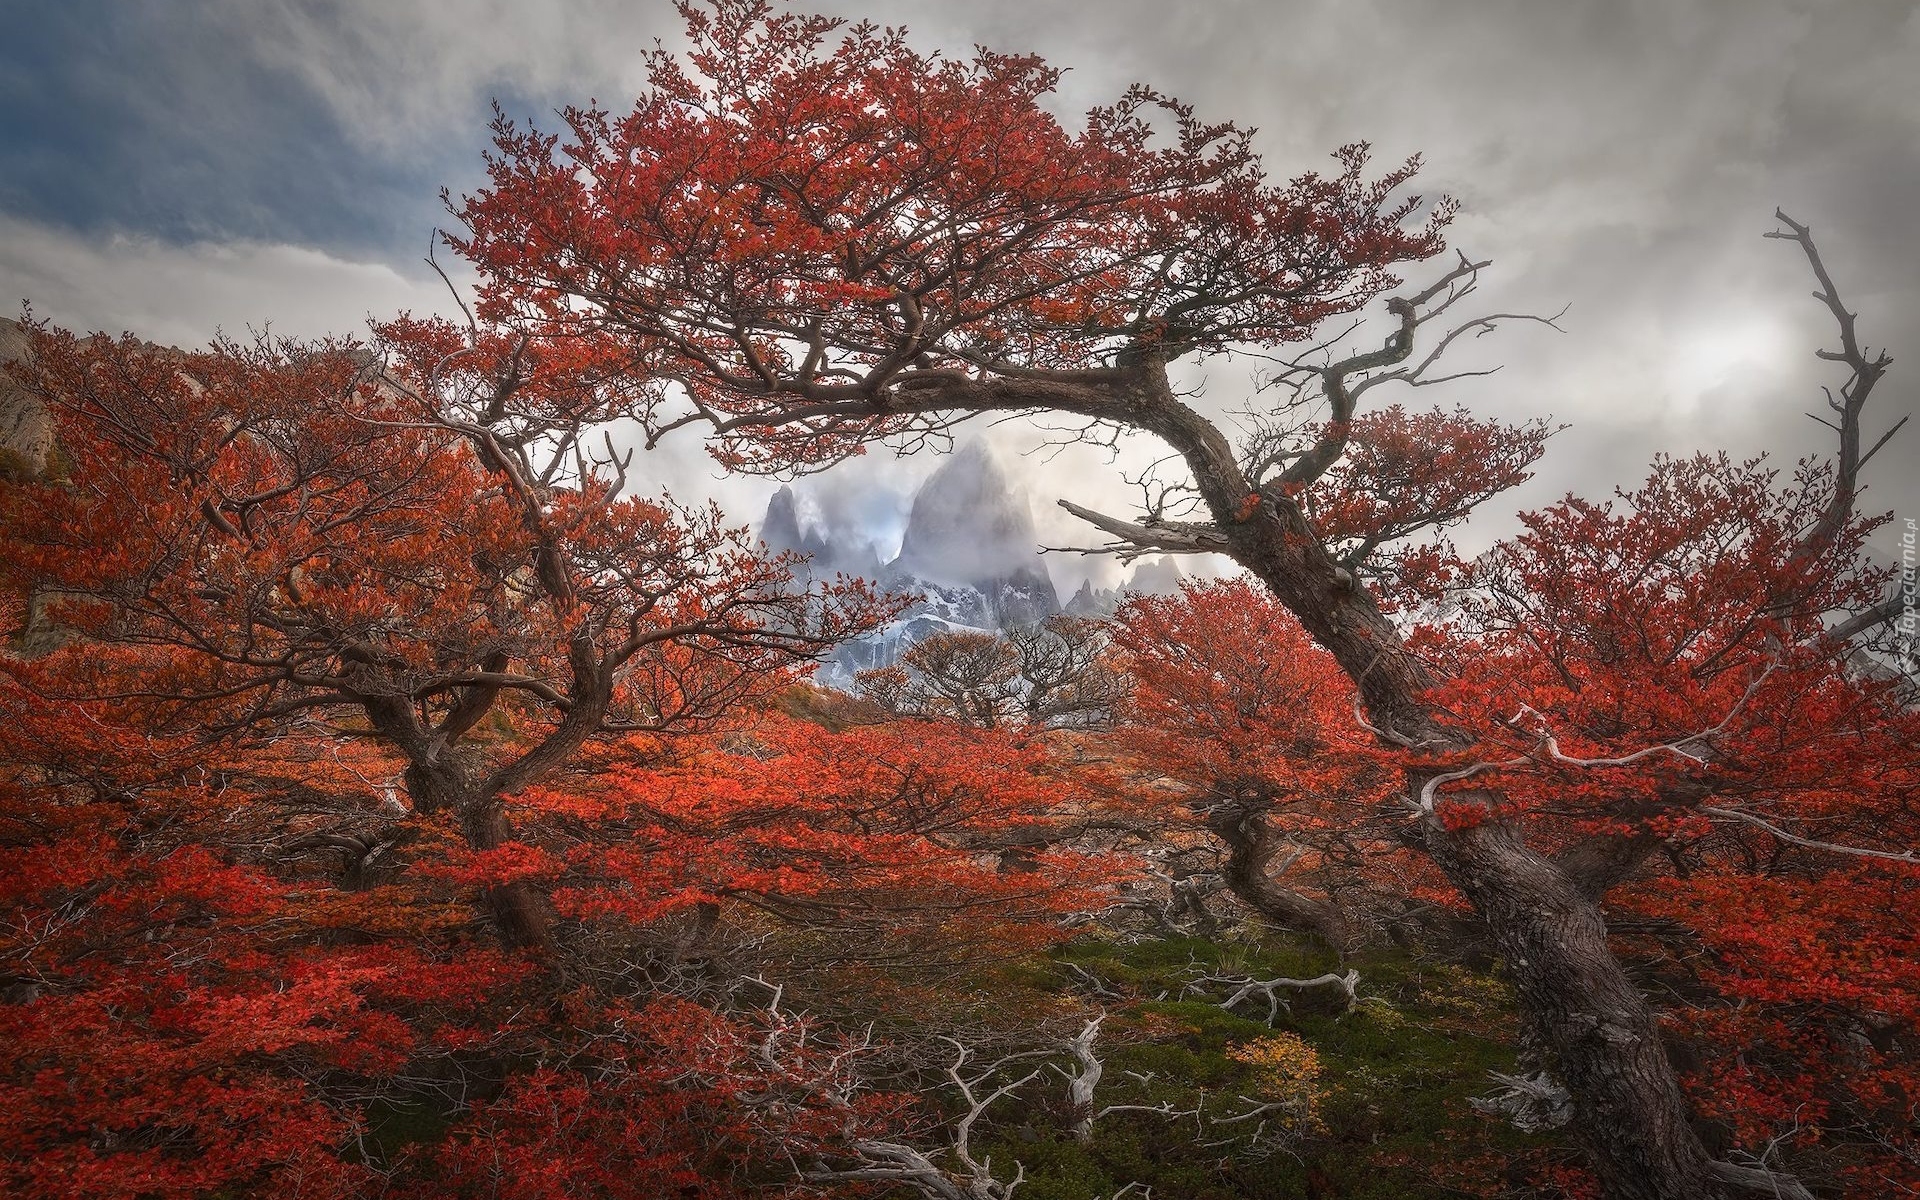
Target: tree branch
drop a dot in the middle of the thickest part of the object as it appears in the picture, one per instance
(1169, 537)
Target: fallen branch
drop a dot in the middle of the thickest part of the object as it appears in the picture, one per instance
(1248, 987)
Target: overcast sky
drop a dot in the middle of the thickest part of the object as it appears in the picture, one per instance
(174, 169)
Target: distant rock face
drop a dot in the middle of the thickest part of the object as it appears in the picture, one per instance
(26, 430)
(971, 549)
(26, 446)
(970, 552)
(781, 530)
(967, 524)
(1157, 577)
(1086, 602)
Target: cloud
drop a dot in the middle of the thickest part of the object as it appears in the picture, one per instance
(183, 294)
(168, 123)
(236, 161)
(393, 73)
(1621, 158)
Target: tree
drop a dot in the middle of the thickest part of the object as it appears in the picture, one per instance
(299, 587)
(323, 634)
(1685, 733)
(1054, 673)
(965, 676)
(807, 247)
(190, 1005)
(431, 548)
(1232, 701)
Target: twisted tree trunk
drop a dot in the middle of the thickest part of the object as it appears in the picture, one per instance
(1254, 848)
(1632, 1117)
(520, 910)
(455, 782)
(1600, 1032)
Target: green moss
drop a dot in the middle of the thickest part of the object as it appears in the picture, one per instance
(1397, 1074)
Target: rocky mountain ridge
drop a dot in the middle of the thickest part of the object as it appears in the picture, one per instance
(26, 430)
(970, 554)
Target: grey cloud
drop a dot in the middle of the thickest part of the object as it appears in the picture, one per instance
(184, 294)
(396, 73)
(1620, 156)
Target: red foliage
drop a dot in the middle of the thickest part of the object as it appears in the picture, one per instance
(149, 1023)
(1654, 675)
(804, 219)
(289, 592)
(1406, 474)
(1228, 686)
(903, 831)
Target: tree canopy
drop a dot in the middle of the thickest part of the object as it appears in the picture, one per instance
(399, 798)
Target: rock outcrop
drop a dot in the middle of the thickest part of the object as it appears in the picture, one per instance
(782, 529)
(1155, 577)
(26, 431)
(970, 554)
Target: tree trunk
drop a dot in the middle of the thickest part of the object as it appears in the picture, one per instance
(1605, 1040)
(452, 783)
(1252, 847)
(1633, 1118)
(520, 910)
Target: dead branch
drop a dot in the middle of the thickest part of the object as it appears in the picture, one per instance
(1530, 1103)
(1137, 539)
(1246, 988)
(1864, 371)
(1736, 814)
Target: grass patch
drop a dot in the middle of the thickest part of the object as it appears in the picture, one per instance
(1391, 1116)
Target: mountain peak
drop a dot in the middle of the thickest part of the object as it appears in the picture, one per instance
(967, 523)
(780, 528)
(1155, 577)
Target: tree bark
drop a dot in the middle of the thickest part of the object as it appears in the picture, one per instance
(454, 782)
(1633, 1118)
(520, 911)
(1603, 1036)
(1252, 846)
(1600, 862)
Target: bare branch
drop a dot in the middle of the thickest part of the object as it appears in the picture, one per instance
(1865, 371)
(1136, 539)
(1760, 1181)
(1880, 614)
(1082, 1081)
(1904, 856)
(1335, 377)
(1247, 988)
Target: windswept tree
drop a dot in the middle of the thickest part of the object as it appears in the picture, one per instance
(1232, 702)
(806, 245)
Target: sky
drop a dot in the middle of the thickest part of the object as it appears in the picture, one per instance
(206, 165)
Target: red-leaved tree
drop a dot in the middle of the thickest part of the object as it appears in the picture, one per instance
(1230, 700)
(806, 245)
(1655, 687)
(312, 630)
(430, 549)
